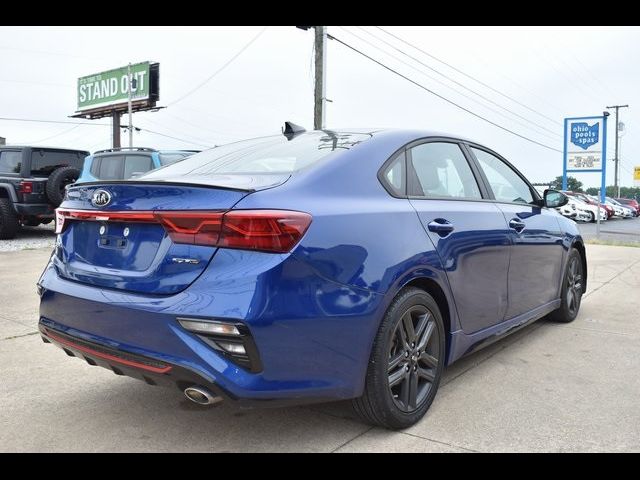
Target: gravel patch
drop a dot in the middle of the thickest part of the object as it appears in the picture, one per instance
(30, 238)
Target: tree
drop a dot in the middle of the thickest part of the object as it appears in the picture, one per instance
(625, 192)
(573, 184)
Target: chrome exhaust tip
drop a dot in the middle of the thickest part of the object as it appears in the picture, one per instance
(201, 396)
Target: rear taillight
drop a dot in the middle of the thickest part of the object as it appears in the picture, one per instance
(25, 187)
(267, 230)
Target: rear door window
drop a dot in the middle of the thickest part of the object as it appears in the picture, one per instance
(44, 162)
(10, 161)
(440, 169)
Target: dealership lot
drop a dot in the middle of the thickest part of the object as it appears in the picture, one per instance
(616, 230)
(547, 388)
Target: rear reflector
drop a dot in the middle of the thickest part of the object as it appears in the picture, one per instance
(266, 230)
(107, 356)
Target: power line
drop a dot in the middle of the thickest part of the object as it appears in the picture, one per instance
(472, 98)
(67, 130)
(101, 124)
(485, 98)
(174, 138)
(470, 77)
(27, 82)
(444, 98)
(69, 122)
(186, 136)
(219, 70)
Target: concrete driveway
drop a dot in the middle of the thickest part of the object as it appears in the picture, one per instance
(548, 387)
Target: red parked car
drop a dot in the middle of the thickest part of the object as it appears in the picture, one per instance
(631, 203)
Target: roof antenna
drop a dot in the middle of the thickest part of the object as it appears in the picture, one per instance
(291, 130)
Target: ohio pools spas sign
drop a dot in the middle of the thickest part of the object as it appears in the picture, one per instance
(584, 147)
(584, 135)
(112, 87)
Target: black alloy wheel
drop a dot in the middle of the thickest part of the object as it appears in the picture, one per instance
(406, 362)
(413, 358)
(573, 289)
(573, 284)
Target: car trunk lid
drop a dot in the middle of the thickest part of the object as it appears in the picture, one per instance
(115, 235)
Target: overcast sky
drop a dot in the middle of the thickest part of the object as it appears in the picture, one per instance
(549, 72)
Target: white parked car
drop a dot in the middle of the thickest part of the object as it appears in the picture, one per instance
(592, 210)
(571, 210)
(625, 212)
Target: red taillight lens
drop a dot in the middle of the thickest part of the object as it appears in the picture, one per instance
(25, 187)
(197, 228)
(267, 230)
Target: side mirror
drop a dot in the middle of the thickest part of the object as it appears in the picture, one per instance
(554, 199)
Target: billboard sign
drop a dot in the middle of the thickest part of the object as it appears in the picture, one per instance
(585, 147)
(636, 176)
(110, 88)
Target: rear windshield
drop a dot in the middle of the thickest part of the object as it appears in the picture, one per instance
(43, 162)
(262, 155)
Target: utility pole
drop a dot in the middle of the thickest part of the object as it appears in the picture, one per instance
(320, 78)
(320, 88)
(616, 187)
(129, 106)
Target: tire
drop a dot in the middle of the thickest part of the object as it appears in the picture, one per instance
(8, 220)
(57, 182)
(572, 290)
(592, 217)
(397, 406)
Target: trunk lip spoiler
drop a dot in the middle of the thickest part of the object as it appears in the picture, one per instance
(176, 183)
(157, 182)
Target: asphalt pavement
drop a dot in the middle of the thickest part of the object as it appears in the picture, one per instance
(615, 230)
(548, 388)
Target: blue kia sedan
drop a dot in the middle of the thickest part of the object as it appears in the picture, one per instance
(309, 266)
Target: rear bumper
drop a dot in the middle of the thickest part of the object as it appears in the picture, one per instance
(313, 345)
(149, 370)
(40, 210)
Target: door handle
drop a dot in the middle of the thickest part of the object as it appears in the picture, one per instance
(440, 226)
(517, 225)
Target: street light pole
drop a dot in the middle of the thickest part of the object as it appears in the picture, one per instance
(616, 187)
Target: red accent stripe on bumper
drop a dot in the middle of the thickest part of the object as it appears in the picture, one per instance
(106, 356)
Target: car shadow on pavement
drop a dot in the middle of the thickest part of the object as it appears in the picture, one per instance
(166, 417)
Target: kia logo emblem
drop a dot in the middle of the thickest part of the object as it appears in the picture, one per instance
(101, 198)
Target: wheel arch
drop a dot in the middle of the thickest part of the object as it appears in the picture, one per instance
(7, 191)
(433, 288)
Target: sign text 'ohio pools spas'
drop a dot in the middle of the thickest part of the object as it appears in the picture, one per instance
(584, 149)
(111, 87)
(584, 135)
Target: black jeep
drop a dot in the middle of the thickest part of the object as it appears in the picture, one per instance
(32, 183)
